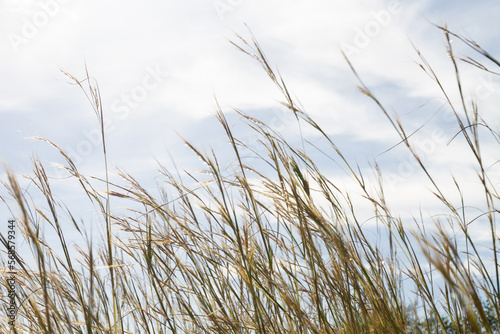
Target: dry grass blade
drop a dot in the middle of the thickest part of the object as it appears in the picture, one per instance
(262, 240)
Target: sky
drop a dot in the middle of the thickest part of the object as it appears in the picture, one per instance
(161, 64)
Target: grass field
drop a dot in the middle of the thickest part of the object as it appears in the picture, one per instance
(270, 246)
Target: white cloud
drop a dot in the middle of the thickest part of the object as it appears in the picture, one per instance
(120, 41)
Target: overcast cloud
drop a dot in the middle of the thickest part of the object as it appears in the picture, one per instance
(160, 63)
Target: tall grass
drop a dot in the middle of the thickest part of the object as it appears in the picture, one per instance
(268, 245)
